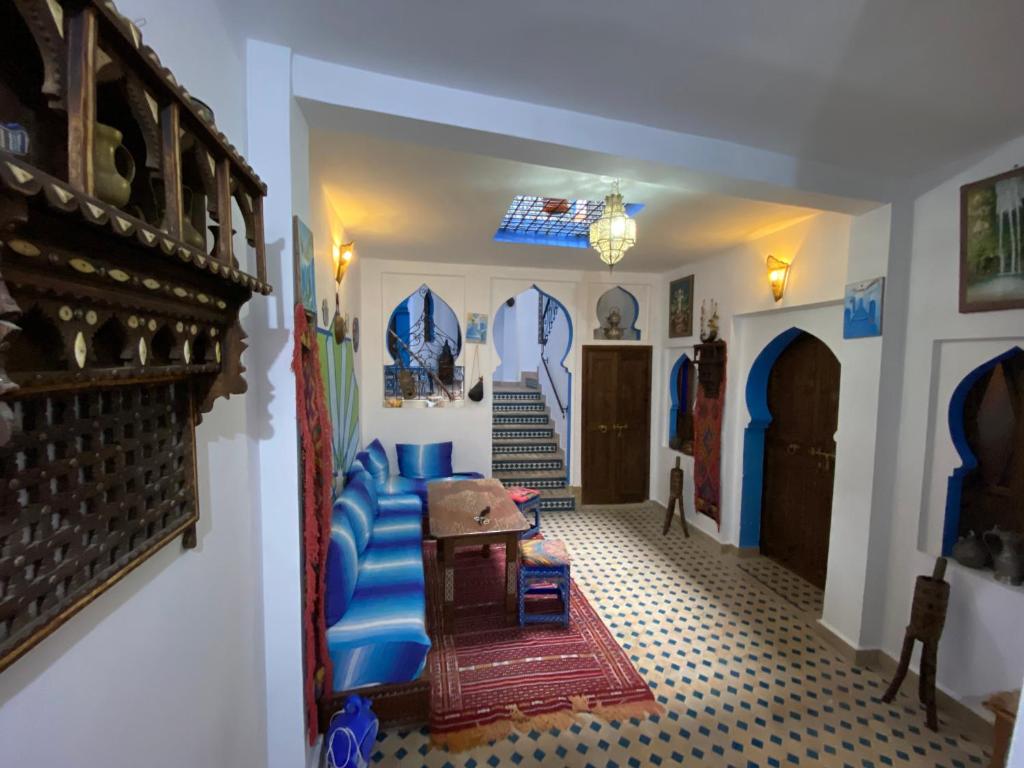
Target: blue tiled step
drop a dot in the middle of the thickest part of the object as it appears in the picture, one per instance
(520, 417)
(540, 480)
(528, 463)
(556, 504)
(514, 432)
(515, 447)
(531, 407)
(518, 396)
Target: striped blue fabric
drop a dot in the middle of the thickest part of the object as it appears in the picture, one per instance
(358, 504)
(375, 607)
(397, 484)
(342, 566)
(377, 462)
(426, 461)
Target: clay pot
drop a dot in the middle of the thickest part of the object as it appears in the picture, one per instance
(612, 331)
(1007, 548)
(114, 167)
(971, 551)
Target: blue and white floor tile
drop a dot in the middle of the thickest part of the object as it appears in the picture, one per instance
(743, 677)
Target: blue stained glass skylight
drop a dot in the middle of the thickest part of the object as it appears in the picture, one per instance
(552, 220)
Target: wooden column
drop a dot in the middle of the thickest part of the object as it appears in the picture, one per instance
(170, 161)
(261, 243)
(81, 31)
(224, 242)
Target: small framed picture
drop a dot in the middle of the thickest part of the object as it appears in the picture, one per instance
(862, 309)
(680, 308)
(305, 267)
(476, 328)
(991, 247)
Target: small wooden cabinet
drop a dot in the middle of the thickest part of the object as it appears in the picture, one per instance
(119, 302)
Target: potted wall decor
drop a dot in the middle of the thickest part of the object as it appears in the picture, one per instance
(117, 331)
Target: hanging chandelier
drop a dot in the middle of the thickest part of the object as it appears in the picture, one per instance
(614, 232)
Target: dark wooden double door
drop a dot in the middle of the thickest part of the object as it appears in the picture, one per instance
(616, 424)
(799, 458)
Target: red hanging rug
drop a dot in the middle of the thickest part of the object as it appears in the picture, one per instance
(316, 458)
(707, 451)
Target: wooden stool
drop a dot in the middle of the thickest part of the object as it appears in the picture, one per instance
(927, 618)
(544, 570)
(675, 493)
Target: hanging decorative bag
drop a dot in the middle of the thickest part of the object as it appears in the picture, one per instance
(476, 392)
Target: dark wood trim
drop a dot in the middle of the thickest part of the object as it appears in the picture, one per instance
(81, 32)
(170, 130)
(224, 242)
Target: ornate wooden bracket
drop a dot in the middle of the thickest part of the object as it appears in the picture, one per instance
(710, 359)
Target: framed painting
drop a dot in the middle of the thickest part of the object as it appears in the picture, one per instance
(992, 243)
(862, 309)
(680, 307)
(476, 328)
(305, 266)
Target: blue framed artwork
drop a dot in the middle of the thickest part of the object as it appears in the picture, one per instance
(305, 265)
(862, 309)
(476, 328)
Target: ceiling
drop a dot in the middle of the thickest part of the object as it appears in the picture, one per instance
(894, 87)
(408, 201)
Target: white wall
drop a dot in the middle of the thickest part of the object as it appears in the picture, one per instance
(165, 669)
(466, 288)
(980, 649)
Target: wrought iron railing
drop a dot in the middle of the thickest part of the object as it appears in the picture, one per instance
(554, 388)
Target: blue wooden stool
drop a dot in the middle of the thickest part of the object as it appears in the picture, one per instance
(528, 508)
(544, 570)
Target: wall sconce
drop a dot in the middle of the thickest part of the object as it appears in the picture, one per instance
(778, 276)
(342, 257)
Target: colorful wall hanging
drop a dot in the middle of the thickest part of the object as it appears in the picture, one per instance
(862, 309)
(305, 264)
(315, 465)
(992, 243)
(707, 428)
(680, 308)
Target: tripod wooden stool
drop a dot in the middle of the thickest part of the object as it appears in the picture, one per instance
(675, 494)
(927, 618)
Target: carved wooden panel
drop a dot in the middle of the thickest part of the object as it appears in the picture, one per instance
(92, 481)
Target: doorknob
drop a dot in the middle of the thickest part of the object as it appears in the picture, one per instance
(792, 448)
(603, 429)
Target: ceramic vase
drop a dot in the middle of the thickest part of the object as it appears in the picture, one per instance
(114, 168)
(1007, 549)
(970, 551)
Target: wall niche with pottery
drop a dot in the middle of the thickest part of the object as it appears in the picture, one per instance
(617, 313)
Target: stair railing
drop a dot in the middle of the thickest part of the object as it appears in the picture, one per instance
(551, 381)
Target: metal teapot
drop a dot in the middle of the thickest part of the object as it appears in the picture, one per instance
(1007, 548)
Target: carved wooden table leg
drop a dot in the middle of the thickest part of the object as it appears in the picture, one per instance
(512, 578)
(927, 618)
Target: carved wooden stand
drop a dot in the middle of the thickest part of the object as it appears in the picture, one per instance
(927, 618)
(675, 494)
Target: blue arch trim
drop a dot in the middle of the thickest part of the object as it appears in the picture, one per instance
(681, 367)
(958, 433)
(561, 363)
(753, 436)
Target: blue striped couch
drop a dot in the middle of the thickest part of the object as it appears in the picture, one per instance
(375, 602)
(419, 465)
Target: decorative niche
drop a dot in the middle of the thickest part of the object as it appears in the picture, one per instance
(617, 313)
(424, 340)
(682, 398)
(986, 420)
(118, 327)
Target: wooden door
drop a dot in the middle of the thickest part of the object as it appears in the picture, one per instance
(616, 424)
(799, 461)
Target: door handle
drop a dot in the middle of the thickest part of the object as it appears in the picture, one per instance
(792, 448)
(602, 428)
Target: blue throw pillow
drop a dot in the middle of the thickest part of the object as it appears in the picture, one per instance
(342, 566)
(357, 502)
(424, 462)
(377, 462)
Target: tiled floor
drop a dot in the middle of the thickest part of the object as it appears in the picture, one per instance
(742, 676)
(784, 583)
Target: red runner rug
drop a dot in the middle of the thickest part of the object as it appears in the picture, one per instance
(488, 678)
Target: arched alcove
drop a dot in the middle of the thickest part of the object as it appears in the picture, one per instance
(424, 339)
(617, 301)
(682, 384)
(986, 424)
(756, 395)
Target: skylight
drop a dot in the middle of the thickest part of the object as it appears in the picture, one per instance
(551, 220)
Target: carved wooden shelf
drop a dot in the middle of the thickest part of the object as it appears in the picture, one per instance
(118, 320)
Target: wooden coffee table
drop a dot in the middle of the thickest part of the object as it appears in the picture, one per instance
(453, 505)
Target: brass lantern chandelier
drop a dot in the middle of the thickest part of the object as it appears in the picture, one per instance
(614, 232)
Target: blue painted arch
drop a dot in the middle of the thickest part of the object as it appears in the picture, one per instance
(753, 436)
(958, 433)
(680, 368)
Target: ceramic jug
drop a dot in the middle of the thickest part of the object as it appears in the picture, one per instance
(1007, 548)
(970, 551)
(114, 167)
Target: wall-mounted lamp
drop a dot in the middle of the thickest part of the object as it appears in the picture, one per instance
(778, 276)
(342, 257)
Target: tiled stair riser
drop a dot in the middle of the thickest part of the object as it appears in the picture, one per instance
(511, 465)
(514, 433)
(539, 407)
(520, 418)
(511, 449)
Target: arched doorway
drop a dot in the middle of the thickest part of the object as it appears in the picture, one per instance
(802, 398)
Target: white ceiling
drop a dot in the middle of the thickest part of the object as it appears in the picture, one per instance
(409, 201)
(896, 87)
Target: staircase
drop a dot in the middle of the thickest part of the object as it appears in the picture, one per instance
(525, 449)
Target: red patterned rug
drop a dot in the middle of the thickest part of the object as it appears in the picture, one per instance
(488, 678)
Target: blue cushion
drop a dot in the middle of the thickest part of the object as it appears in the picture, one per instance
(426, 461)
(342, 567)
(357, 503)
(377, 462)
(356, 467)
